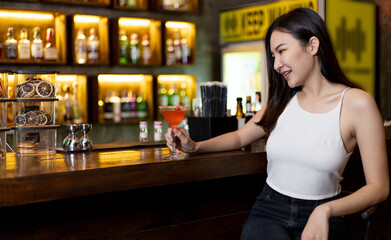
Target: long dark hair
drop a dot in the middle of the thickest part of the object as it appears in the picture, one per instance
(302, 24)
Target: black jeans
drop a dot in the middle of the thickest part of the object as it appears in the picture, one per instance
(275, 216)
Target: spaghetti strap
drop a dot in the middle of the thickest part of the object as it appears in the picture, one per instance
(343, 93)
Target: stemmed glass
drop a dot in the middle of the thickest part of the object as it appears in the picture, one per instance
(174, 116)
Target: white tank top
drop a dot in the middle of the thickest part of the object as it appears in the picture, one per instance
(305, 152)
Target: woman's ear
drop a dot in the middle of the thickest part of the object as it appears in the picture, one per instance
(313, 45)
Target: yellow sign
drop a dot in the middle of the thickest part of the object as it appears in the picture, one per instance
(352, 29)
(251, 23)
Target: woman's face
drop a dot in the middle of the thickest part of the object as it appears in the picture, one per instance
(292, 60)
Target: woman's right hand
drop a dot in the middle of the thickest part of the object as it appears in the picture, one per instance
(183, 141)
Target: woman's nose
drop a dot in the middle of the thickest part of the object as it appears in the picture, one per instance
(277, 65)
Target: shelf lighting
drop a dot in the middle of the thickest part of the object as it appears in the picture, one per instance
(117, 78)
(27, 16)
(134, 22)
(66, 78)
(174, 78)
(86, 19)
(177, 24)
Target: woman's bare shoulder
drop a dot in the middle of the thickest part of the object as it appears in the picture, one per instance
(358, 100)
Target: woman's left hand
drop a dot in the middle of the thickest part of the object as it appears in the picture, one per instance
(317, 226)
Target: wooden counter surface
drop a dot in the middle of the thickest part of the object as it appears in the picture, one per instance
(25, 180)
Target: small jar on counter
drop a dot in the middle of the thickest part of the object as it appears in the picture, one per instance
(143, 131)
(158, 132)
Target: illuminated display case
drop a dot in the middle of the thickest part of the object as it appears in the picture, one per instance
(3, 98)
(90, 41)
(20, 29)
(137, 41)
(122, 98)
(72, 96)
(34, 112)
(101, 3)
(175, 5)
(131, 4)
(3, 144)
(179, 43)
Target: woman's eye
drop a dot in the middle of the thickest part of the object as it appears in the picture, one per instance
(280, 51)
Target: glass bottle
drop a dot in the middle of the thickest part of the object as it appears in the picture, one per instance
(11, 45)
(76, 110)
(183, 95)
(146, 49)
(37, 45)
(123, 47)
(24, 45)
(163, 97)
(258, 101)
(177, 46)
(173, 96)
(68, 116)
(125, 106)
(108, 114)
(142, 107)
(239, 108)
(116, 106)
(121, 3)
(143, 131)
(133, 105)
(131, 3)
(158, 131)
(80, 47)
(50, 49)
(186, 53)
(93, 46)
(134, 49)
(248, 104)
(170, 53)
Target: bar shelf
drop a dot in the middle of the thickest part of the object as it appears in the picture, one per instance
(97, 3)
(131, 4)
(190, 6)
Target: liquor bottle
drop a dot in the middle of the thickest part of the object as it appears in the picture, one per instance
(122, 3)
(239, 108)
(50, 49)
(163, 97)
(146, 49)
(108, 114)
(131, 3)
(170, 53)
(1, 48)
(186, 52)
(76, 110)
(142, 107)
(11, 45)
(24, 45)
(133, 105)
(158, 131)
(93, 47)
(167, 4)
(123, 47)
(134, 49)
(68, 116)
(258, 101)
(249, 111)
(173, 96)
(116, 106)
(80, 47)
(183, 95)
(177, 46)
(125, 106)
(37, 45)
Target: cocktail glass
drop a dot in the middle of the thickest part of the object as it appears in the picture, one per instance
(174, 116)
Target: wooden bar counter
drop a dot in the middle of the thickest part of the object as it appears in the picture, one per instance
(128, 194)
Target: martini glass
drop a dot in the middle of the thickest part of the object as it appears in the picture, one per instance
(174, 116)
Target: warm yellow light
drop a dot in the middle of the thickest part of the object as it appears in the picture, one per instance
(116, 78)
(177, 25)
(86, 19)
(101, 103)
(134, 22)
(66, 78)
(174, 78)
(27, 16)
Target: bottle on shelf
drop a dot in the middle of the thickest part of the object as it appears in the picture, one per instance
(146, 49)
(1, 48)
(134, 49)
(177, 46)
(37, 45)
(186, 52)
(24, 45)
(108, 114)
(170, 53)
(123, 47)
(133, 105)
(50, 49)
(93, 47)
(11, 45)
(258, 101)
(125, 106)
(80, 47)
(143, 131)
(249, 111)
(239, 108)
(76, 109)
(173, 96)
(142, 107)
(131, 3)
(121, 3)
(163, 97)
(158, 131)
(183, 95)
(116, 101)
(68, 116)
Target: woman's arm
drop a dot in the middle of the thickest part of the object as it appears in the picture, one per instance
(366, 126)
(229, 141)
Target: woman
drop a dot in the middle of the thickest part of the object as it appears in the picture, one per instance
(313, 120)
